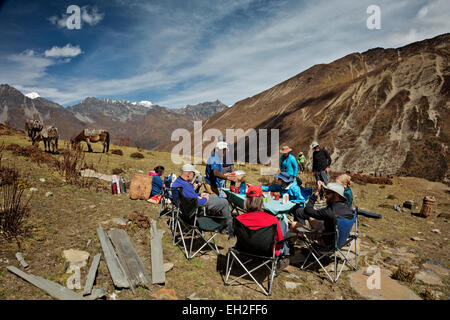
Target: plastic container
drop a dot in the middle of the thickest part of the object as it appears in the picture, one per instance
(285, 198)
(242, 188)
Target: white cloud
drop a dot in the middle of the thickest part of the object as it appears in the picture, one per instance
(62, 52)
(91, 16)
(60, 22)
(422, 12)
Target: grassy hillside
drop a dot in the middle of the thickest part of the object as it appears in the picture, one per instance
(69, 217)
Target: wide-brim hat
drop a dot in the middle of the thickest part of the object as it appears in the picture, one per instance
(285, 149)
(189, 168)
(314, 144)
(284, 176)
(335, 187)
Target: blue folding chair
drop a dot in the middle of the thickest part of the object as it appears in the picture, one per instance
(343, 237)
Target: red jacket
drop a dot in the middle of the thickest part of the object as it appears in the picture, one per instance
(257, 220)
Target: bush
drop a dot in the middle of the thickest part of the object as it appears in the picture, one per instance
(13, 210)
(8, 176)
(137, 155)
(72, 163)
(403, 274)
(117, 151)
(117, 171)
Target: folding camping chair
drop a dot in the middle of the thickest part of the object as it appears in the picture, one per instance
(343, 237)
(191, 220)
(168, 206)
(254, 245)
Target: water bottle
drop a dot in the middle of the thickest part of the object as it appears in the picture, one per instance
(123, 188)
(285, 198)
(114, 186)
(242, 188)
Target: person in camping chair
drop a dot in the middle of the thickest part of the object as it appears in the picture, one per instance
(286, 184)
(214, 204)
(157, 183)
(336, 207)
(255, 218)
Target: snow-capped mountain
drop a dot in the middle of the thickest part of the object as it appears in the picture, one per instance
(32, 95)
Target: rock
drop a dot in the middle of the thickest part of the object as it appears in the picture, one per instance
(417, 239)
(48, 194)
(168, 266)
(42, 180)
(33, 189)
(4, 260)
(436, 267)
(393, 261)
(194, 297)
(293, 276)
(368, 272)
(436, 231)
(140, 171)
(76, 257)
(408, 204)
(398, 208)
(119, 221)
(92, 206)
(443, 215)
(113, 296)
(429, 277)
(165, 294)
(389, 289)
(97, 294)
(291, 285)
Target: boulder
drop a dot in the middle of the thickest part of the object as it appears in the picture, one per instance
(429, 277)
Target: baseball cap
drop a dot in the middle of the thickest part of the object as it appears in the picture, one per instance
(254, 191)
(222, 145)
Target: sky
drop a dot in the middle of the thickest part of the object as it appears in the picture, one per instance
(179, 52)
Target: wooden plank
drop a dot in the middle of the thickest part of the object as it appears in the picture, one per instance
(91, 275)
(158, 274)
(115, 268)
(54, 289)
(133, 265)
(21, 260)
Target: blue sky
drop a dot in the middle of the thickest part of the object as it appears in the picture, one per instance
(182, 52)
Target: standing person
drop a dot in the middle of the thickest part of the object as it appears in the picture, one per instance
(301, 161)
(345, 180)
(214, 204)
(227, 164)
(321, 163)
(214, 175)
(288, 163)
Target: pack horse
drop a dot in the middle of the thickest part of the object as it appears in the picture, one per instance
(50, 136)
(93, 136)
(33, 127)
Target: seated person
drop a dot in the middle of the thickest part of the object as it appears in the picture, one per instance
(214, 204)
(286, 184)
(336, 207)
(345, 180)
(157, 183)
(214, 176)
(255, 218)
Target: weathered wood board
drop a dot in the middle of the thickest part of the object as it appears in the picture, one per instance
(158, 273)
(91, 275)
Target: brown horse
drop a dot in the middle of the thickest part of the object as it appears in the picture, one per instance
(33, 127)
(91, 135)
(50, 136)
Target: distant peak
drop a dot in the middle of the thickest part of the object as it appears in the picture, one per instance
(32, 95)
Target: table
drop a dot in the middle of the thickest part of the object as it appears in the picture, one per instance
(275, 207)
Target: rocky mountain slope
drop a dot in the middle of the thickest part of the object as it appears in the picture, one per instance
(139, 123)
(384, 110)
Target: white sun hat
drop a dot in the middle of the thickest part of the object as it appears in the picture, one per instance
(189, 168)
(314, 144)
(335, 187)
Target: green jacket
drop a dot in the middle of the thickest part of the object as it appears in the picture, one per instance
(301, 158)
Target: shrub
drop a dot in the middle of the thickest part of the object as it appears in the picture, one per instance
(73, 161)
(117, 151)
(13, 210)
(403, 274)
(137, 155)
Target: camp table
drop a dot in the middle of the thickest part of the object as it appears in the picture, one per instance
(275, 207)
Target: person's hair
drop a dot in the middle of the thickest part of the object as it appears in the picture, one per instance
(158, 168)
(344, 179)
(253, 204)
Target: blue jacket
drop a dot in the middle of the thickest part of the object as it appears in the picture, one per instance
(294, 190)
(188, 191)
(214, 163)
(289, 165)
(157, 185)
